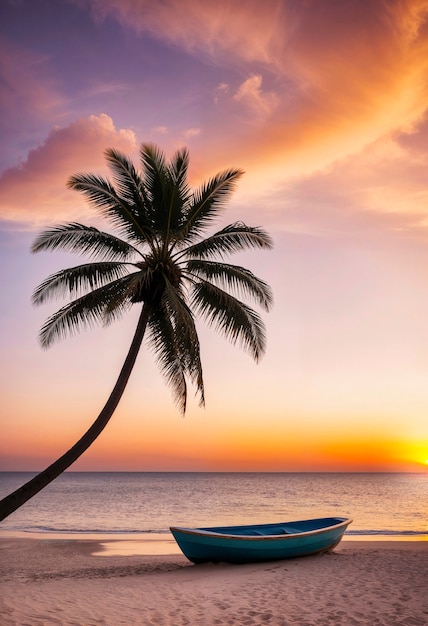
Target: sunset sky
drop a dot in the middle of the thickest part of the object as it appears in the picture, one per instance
(324, 105)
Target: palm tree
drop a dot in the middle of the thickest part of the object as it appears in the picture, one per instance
(158, 262)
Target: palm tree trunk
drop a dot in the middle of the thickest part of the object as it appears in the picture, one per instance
(13, 501)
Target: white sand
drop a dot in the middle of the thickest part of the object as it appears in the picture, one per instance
(72, 583)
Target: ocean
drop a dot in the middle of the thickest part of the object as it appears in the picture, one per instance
(130, 503)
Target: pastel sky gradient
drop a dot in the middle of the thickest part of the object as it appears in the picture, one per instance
(324, 104)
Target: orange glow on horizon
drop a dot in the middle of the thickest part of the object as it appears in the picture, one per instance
(177, 444)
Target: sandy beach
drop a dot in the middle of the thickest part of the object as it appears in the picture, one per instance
(72, 582)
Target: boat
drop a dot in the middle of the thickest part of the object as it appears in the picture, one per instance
(260, 542)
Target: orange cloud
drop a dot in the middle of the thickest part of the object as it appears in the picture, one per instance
(247, 29)
(336, 75)
(345, 74)
(381, 190)
(35, 191)
(250, 93)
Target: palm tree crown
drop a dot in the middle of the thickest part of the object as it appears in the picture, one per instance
(158, 260)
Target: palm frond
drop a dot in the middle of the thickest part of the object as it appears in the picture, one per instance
(208, 201)
(74, 281)
(127, 182)
(99, 192)
(237, 321)
(82, 239)
(121, 298)
(85, 312)
(106, 201)
(233, 277)
(175, 344)
(177, 170)
(236, 237)
(167, 189)
(187, 335)
(154, 178)
(166, 351)
(179, 193)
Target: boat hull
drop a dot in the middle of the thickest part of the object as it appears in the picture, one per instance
(259, 543)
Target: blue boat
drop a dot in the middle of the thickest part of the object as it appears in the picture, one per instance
(260, 542)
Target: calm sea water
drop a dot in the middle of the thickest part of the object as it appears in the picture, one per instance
(78, 502)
